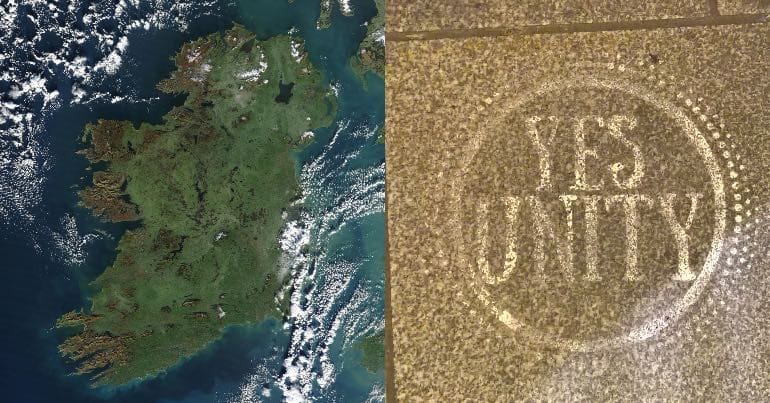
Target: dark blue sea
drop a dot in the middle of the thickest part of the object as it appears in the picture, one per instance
(50, 248)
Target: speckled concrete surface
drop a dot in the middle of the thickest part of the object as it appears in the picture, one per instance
(743, 6)
(459, 145)
(430, 15)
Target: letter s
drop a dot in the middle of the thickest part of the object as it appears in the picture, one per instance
(635, 179)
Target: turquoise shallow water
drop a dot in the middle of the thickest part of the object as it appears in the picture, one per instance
(339, 281)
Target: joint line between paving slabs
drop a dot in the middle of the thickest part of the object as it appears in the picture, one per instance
(739, 19)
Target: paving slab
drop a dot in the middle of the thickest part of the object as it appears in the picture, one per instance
(424, 15)
(580, 216)
(744, 6)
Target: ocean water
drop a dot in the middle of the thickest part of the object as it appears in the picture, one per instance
(51, 248)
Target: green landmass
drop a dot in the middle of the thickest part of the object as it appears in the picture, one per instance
(371, 51)
(209, 189)
(373, 349)
(325, 18)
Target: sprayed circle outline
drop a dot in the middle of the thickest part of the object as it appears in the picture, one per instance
(657, 323)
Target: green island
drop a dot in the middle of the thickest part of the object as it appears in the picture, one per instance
(373, 349)
(325, 18)
(209, 190)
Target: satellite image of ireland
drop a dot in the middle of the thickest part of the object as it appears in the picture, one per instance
(192, 201)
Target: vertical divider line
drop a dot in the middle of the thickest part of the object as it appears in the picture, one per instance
(390, 369)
